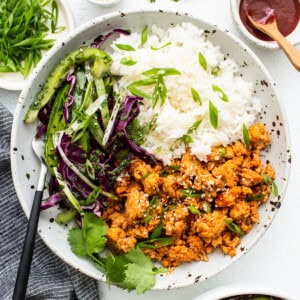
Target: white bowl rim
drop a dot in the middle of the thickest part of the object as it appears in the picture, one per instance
(234, 4)
(76, 32)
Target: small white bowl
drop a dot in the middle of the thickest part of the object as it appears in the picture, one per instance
(243, 290)
(293, 37)
(105, 3)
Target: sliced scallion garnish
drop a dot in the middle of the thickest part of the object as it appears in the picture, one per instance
(246, 136)
(125, 47)
(194, 210)
(213, 115)
(156, 78)
(215, 70)
(234, 227)
(196, 96)
(144, 36)
(189, 192)
(194, 126)
(156, 243)
(202, 61)
(161, 47)
(128, 61)
(268, 180)
(220, 93)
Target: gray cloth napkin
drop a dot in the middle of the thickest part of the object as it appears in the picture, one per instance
(50, 277)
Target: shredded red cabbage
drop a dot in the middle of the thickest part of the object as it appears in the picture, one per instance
(129, 111)
(41, 130)
(51, 201)
(72, 79)
(102, 38)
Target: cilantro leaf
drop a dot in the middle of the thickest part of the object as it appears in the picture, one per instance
(132, 271)
(140, 272)
(77, 242)
(90, 238)
(115, 269)
(139, 278)
(94, 230)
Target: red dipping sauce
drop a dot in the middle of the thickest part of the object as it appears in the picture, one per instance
(287, 14)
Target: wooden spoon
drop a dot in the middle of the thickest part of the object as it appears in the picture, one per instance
(269, 27)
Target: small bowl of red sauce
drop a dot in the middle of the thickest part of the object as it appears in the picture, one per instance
(287, 13)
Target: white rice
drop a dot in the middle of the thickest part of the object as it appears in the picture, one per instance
(180, 111)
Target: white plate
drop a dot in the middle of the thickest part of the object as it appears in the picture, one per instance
(25, 166)
(15, 81)
(293, 37)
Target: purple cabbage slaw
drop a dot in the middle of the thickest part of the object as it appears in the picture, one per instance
(104, 161)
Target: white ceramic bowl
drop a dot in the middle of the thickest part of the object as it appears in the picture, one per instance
(105, 3)
(25, 165)
(293, 37)
(242, 290)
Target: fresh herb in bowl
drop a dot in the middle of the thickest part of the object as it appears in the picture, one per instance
(24, 27)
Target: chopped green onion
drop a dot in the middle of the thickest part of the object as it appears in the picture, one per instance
(220, 93)
(162, 90)
(202, 61)
(146, 175)
(25, 26)
(222, 151)
(187, 139)
(215, 70)
(156, 233)
(163, 172)
(156, 78)
(90, 169)
(268, 180)
(156, 243)
(127, 61)
(153, 204)
(196, 96)
(93, 196)
(257, 197)
(142, 82)
(125, 47)
(144, 36)
(155, 72)
(274, 189)
(206, 207)
(54, 19)
(213, 115)
(246, 136)
(161, 47)
(194, 210)
(233, 227)
(189, 192)
(194, 127)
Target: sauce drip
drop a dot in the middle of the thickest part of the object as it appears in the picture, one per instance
(287, 13)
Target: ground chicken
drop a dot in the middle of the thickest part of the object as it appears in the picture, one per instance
(259, 136)
(192, 207)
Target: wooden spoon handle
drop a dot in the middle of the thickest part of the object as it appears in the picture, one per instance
(291, 52)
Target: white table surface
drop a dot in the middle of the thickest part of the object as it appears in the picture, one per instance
(275, 259)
